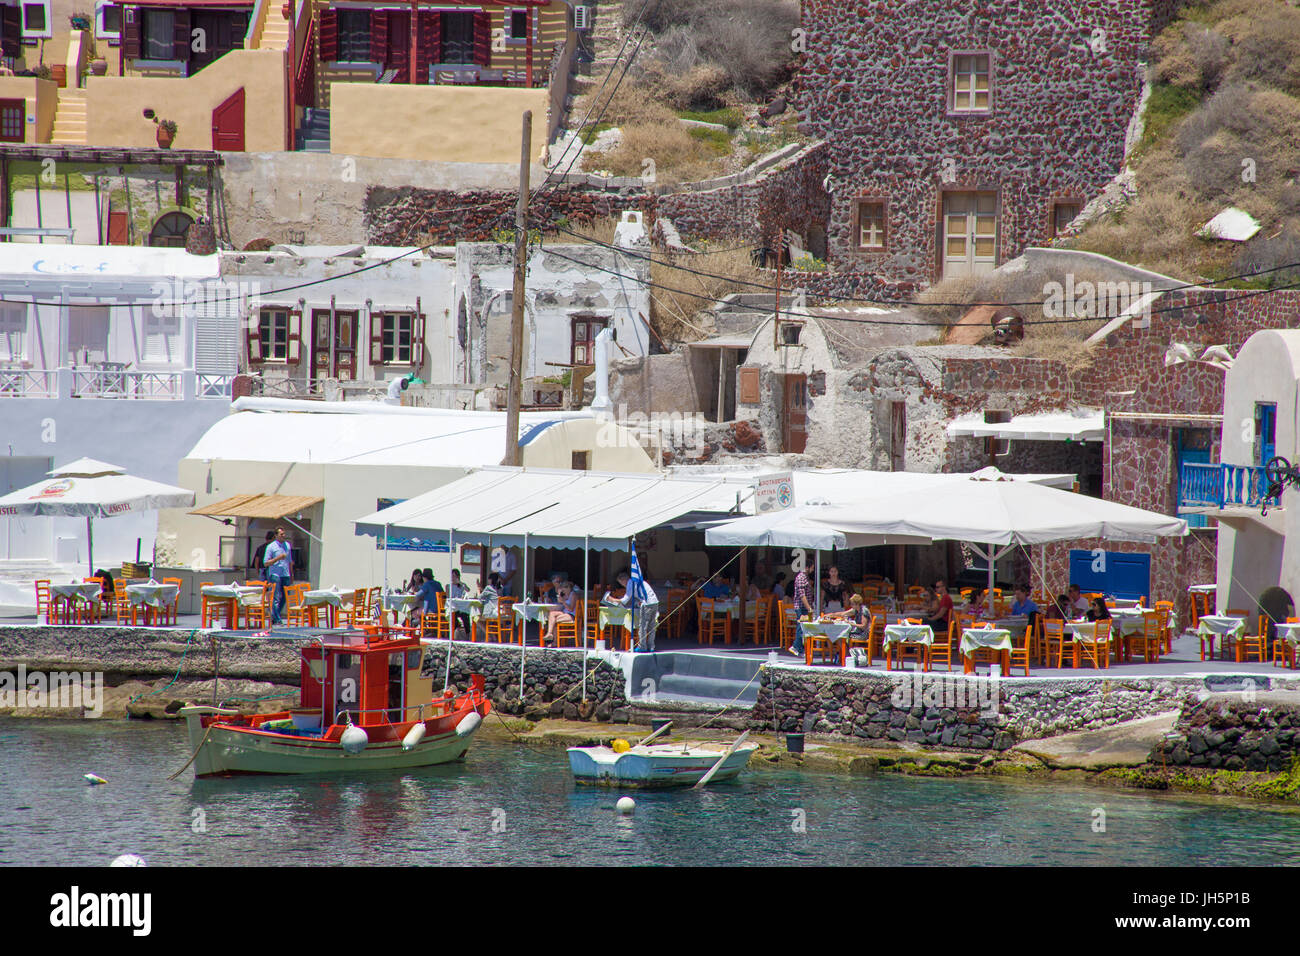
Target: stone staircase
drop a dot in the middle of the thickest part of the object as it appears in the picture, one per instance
(70, 118)
(606, 34)
(275, 31)
(17, 593)
(314, 133)
(699, 678)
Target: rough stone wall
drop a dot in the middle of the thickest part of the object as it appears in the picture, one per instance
(874, 84)
(1235, 734)
(552, 681)
(953, 711)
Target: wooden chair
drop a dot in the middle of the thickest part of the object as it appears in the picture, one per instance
(500, 628)
(920, 653)
(941, 649)
(171, 612)
(1168, 607)
(43, 598)
(785, 624)
(571, 631)
(1256, 643)
(712, 624)
(1098, 650)
(209, 610)
(1150, 641)
(126, 611)
(434, 624)
(296, 615)
(258, 615)
(858, 639)
(1021, 653)
(818, 642)
(357, 611)
(756, 624)
(1282, 650)
(1056, 642)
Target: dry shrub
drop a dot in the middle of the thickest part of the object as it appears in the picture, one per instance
(673, 314)
(1192, 56)
(1269, 252)
(678, 156)
(1265, 42)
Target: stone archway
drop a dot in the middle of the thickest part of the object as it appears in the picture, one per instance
(1276, 605)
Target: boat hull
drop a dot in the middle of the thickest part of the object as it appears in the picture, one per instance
(652, 767)
(224, 750)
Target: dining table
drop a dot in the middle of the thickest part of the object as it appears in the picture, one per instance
(232, 597)
(331, 599)
(837, 632)
(900, 634)
(67, 596)
(399, 602)
(975, 639)
(1224, 626)
(1289, 634)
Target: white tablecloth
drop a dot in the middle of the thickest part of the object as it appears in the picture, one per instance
(614, 616)
(1221, 624)
(152, 594)
(538, 611)
(908, 633)
(1086, 631)
(401, 602)
(87, 591)
(330, 596)
(470, 606)
(1289, 633)
(243, 593)
(986, 638)
(835, 630)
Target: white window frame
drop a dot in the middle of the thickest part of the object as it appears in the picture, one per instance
(268, 343)
(166, 326)
(582, 17)
(13, 331)
(77, 355)
(145, 17)
(884, 224)
(45, 34)
(102, 32)
(391, 349)
(968, 108)
(509, 19)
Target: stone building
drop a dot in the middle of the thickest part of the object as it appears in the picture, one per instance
(959, 134)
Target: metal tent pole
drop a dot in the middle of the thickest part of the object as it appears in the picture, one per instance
(90, 546)
(817, 585)
(451, 619)
(991, 560)
(632, 603)
(523, 627)
(586, 599)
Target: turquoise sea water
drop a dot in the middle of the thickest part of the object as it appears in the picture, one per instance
(510, 803)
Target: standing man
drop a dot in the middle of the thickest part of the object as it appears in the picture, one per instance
(278, 560)
(259, 558)
(803, 605)
(646, 611)
(505, 565)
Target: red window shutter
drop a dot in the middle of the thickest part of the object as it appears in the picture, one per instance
(376, 338)
(130, 32)
(10, 32)
(181, 35)
(295, 337)
(379, 37)
(253, 337)
(427, 41)
(482, 38)
(329, 36)
(417, 341)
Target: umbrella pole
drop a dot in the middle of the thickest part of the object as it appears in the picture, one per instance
(817, 584)
(992, 559)
(523, 627)
(586, 600)
(90, 546)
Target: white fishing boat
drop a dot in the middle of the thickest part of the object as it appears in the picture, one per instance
(657, 765)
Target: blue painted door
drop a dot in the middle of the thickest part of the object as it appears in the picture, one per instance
(1266, 431)
(1119, 574)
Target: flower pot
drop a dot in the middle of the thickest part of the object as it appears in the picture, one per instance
(165, 138)
(99, 67)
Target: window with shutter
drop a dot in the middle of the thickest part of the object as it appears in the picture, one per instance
(377, 338)
(293, 352)
(329, 36)
(13, 114)
(181, 35)
(10, 32)
(482, 38)
(428, 40)
(131, 46)
(417, 341)
(379, 37)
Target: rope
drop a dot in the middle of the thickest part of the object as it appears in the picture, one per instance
(195, 754)
(175, 677)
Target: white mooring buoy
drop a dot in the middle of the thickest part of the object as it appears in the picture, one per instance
(353, 740)
(625, 805)
(129, 859)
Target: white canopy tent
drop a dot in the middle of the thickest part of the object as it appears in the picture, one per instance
(1083, 424)
(96, 490)
(993, 509)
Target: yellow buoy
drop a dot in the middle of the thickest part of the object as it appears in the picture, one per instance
(620, 745)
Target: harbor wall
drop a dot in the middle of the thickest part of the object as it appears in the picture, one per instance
(953, 711)
(1257, 734)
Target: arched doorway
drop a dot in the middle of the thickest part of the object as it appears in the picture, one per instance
(1276, 606)
(170, 230)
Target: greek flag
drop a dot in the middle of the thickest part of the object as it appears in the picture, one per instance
(636, 583)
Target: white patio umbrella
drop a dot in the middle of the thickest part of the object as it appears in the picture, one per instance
(993, 509)
(93, 489)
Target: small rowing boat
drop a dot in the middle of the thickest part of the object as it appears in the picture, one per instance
(657, 765)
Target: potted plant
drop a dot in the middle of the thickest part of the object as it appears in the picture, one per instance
(80, 21)
(98, 66)
(166, 132)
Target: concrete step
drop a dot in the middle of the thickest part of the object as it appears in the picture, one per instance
(699, 688)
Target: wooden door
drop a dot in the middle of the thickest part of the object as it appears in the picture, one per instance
(582, 350)
(399, 45)
(969, 234)
(228, 124)
(795, 426)
(344, 362)
(457, 39)
(897, 436)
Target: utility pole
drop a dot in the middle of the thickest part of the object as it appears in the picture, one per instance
(517, 313)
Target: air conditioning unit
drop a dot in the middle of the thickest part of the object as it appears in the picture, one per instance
(582, 18)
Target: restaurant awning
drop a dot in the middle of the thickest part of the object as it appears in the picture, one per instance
(1080, 425)
(555, 509)
(258, 506)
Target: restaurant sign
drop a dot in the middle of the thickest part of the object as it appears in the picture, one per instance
(774, 493)
(396, 542)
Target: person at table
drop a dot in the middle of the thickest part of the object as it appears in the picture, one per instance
(549, 592)
(1059, 610)
(856, 614)
(833, 591)
(803, 608)
(939, 621)
(979, 603)
(489, 595)
(715, 589)
(457, 588)
(106, 592)
(279, 571)
(505, 564)
(1078, 603)
(763, 576)
(413, 585)
(778, 586)
(1024, 604)
(430, 588)
(1098, 610)
(646, 611)
(566, 612)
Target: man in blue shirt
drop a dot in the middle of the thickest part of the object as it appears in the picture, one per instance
(715, 589)
(429, 591)
(1023, 604)
(278, 561)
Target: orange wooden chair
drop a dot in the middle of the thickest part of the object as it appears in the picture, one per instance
(712, 624)
(1056, 642)
(500, 628)
(757, 623)
(1022, 652)
(1098, 649)
(941, 648)
(1256, 643)
(1150, 641)
(171, 612)
(295, 614)
(43, 598)
(570, 632)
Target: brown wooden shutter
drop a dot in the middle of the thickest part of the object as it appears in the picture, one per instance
(379, 37)
(11, 33)
(417, 341)
(399, 29)
(181, 35)
(294, 355)
(329, 36)
(482, 38)
(376, 338)
(748, 380)
(253, 337)
(238, 29)
(427, 41)
(130, 32)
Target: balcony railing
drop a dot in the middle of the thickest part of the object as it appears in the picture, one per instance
(104, 383)
(214, 385)
(1222, 485)
(28, 383)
